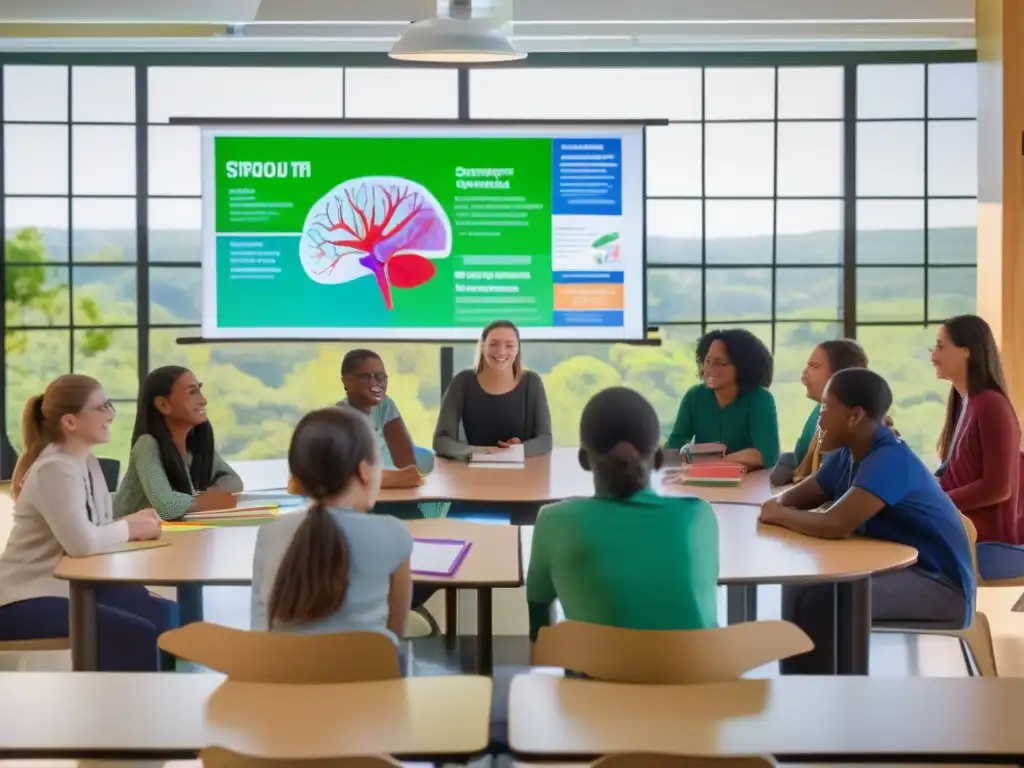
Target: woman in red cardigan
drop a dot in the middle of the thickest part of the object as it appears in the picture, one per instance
(980, 445)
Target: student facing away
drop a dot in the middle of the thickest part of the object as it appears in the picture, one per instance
(174, 467)
(626, 557)
(876, 487)
(980, 444)
(496, 405)
(333, 567)
(827, 358)
(63, 507)
(732, 404)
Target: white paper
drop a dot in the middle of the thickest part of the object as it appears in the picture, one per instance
(514, 454)
(431, 557)
(492, 465)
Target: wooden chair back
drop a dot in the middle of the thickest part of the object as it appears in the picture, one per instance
(972, 539)
(282, 657)
(216, 757)
(668, 656)
(659, 760)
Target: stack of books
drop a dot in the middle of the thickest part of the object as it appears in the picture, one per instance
(700, 453)
(253, 515)
(719, 473)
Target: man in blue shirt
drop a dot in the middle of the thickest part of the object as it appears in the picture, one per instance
(874, 485)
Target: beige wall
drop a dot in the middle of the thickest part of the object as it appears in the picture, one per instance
(1000, 31)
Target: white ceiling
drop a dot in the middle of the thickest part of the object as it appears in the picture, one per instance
(535, 25)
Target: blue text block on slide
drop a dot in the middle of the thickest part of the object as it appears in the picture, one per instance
(587, 177)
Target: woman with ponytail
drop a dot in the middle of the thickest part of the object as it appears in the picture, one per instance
(62, 508)
(626, 557)
(333, 568)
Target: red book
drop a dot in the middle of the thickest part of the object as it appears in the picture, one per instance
(716, 473)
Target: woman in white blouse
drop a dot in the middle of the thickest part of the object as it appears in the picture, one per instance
(62, 506)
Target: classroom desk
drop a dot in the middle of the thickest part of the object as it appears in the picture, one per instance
(544, 479)
(751, 554)
(103, 715)
(802, 719)
(223, 557)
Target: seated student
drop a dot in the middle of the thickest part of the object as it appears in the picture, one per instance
(333, 567)
(366, 386)
(732, 405)
(173, 466)
(626, 557)
(827, 358)
(62, 506)
(980, 444)
(497, 405)
(876, 487)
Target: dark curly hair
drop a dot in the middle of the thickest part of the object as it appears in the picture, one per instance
(754, 364)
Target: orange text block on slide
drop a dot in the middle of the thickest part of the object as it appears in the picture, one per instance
(577, 296)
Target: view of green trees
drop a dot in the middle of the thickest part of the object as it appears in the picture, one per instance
(258, 392)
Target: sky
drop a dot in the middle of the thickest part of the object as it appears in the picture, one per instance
(739, 156)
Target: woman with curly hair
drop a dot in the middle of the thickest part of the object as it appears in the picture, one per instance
(732, 404)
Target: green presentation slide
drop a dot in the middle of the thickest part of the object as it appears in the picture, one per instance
(345, 231)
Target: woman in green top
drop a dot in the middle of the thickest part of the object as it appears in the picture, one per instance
(626, 557)
(732, 405)
(827, 358)
(173, 466)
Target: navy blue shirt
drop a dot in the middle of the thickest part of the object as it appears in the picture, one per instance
(917, 511)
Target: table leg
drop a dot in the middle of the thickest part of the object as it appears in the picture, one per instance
(451, 618)
(485, 632)
(741, 603)
(853, 627)
(82, 623)
(190, 603)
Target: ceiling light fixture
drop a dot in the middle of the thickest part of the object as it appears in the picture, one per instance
(458, 39)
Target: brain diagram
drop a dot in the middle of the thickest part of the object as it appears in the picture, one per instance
(381, 226)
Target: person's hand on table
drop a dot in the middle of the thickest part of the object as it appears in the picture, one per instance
(487, 449)
(143, 525)
(771, 512)
(406, 477)
(214, 499)
(509, 443)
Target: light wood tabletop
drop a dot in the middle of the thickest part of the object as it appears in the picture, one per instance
(751, 553)
(58, 714)
(794, 718)
(541, 480)
(223, 557)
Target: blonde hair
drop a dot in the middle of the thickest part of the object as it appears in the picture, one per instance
(517, 364)
(40, 421)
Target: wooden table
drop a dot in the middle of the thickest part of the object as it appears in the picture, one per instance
(544, 479)
(751, 554)
(104, 715)
(869, 719)
(223, 557)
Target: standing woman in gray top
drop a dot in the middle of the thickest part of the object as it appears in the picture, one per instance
(62, 507)
(497, 405)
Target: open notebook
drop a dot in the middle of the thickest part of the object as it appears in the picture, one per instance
(514, 454)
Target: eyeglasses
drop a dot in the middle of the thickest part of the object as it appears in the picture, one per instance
(381, 377)
(107, 407)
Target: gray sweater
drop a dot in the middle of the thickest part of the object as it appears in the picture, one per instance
(51, 519)
(450, 433)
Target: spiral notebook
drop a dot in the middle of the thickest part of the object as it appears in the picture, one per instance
(438, 557)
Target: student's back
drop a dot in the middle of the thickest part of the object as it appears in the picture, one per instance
(377, 545)
(646, 562)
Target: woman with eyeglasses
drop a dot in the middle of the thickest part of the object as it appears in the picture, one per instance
(366, 389)
(62, 507)
(732, 404)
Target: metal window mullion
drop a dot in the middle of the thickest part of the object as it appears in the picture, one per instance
(849, 318)
(775, 204)
(703, 202)
(142, 317)
(924, 202)
(71, 222)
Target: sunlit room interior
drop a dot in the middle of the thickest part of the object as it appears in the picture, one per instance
(805, 170)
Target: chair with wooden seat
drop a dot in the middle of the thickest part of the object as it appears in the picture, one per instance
(22, 653)
(667, 656)
(661, 760)
(976, 639)
(216, 757)
(282, 657)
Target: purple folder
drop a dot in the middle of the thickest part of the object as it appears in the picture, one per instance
(463, 551)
